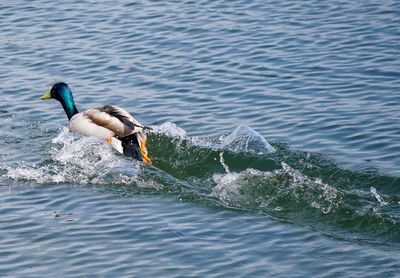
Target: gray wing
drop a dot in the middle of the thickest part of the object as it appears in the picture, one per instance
(130, 124)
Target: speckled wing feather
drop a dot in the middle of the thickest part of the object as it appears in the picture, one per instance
(114, 118)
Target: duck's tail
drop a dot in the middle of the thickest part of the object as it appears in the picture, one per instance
(134, 145)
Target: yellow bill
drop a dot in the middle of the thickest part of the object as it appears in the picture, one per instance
(46, 95)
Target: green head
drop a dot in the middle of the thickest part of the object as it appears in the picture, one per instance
(62, 93)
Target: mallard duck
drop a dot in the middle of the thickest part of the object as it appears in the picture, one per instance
(112, 123)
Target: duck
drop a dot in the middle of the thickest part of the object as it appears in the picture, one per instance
(110, 122)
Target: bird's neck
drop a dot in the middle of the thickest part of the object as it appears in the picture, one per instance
(69, 107)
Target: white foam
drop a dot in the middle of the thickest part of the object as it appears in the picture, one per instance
(239, 189)
(78, 159)
(40, 175)
(228, 186)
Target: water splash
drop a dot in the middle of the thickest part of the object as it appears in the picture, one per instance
(246, 139)
(263, 189)
(241, 140)
(171, 130)
(221, 159)
(238, 170)
(80, 160)
(378, 197)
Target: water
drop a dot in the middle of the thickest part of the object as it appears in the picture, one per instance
(275, 142)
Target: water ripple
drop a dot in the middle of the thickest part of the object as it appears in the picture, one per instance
(318, 79)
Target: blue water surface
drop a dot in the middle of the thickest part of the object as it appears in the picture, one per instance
(275, 145)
